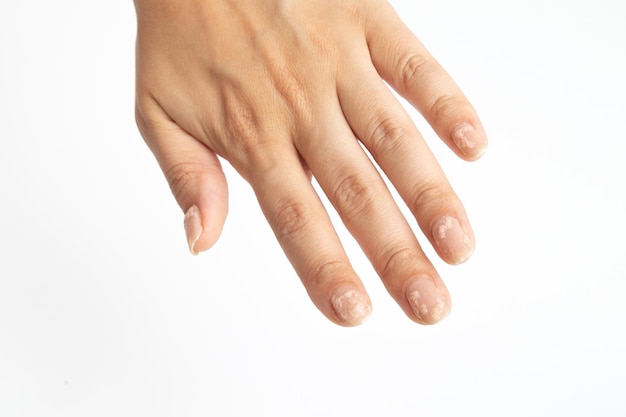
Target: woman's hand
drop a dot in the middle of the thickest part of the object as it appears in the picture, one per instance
(286, 89)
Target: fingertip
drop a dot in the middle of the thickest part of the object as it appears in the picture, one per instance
(204, 227)
(470, 141)
(429, 302)
(351, 306)
(453, 243)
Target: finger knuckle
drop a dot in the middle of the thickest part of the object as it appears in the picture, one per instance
(387, 133)
(291, 88)
(443, 106)
(241, 133)
(353, 195)
(180, 178)
(427, 193)
(327, 271)
(241, 122)
(395, 258)
(290, 219)
(248, 138)
(413, 66)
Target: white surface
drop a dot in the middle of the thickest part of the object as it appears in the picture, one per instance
(103, 312)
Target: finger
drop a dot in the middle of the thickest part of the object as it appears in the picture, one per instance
(193, 172)
(404, 62)
(383, 126)
(368, 210)
(308, 238)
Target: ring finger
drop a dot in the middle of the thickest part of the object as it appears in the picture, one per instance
(385, 128)
(368, 210)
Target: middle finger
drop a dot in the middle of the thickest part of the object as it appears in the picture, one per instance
(368, 210)
(387, 131)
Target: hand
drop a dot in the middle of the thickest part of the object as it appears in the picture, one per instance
(287, 89)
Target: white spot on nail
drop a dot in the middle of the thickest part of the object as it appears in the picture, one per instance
(427, 309)
(439, 310)
(420, 309)
(444, 226)
(453, 243)
(461, 138)
(350, 307)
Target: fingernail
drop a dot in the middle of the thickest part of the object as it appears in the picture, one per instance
(350, 305)
(454, 245)
(193, 227)
(469, 142)
(428, 302)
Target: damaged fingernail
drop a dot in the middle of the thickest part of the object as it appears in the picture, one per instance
(193, 228)
(469, 142)
(454, 245)
(351, 307)
(429, 304)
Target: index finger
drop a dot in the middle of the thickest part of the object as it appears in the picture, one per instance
(306, 234)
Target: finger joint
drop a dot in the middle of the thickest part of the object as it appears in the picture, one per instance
(396, 259)
(290, 219)
(353, 196)
(413, 67)
(387, 134)
(443, 106)
(327, 271)
(427, 193)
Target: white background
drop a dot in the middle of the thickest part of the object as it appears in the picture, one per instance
(103, 312)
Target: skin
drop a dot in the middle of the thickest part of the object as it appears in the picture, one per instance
(288, 89)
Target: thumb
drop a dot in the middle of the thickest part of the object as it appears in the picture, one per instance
(195, 176)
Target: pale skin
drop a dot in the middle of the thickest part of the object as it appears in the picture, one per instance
(285, 90)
